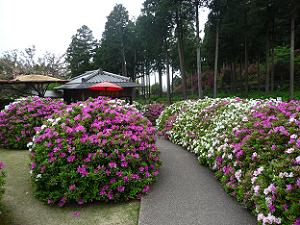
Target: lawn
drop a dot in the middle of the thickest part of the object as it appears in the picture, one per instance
(20, 207)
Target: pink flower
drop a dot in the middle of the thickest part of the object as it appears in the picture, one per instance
(62, 202)
(80, 201)
(72, 187)
(112, 164)
(289, 187)
(71, 158)
(126, 179)
(146, 189)
(1, 165)
(82, 170)
(76, 214)
(33, 165)
(121, 188)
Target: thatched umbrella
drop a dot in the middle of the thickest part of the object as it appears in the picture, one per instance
(36, 82)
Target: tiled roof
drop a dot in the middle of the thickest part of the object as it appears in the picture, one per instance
(97, 76)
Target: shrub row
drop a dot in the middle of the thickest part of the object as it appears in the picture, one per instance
(251, 145)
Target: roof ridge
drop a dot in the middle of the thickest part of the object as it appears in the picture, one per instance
(93, 74)
(82, 75)
(116, 75)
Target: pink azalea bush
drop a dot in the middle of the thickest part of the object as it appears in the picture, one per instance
(153, 111)
(98, 150)
(253, 146)
(2, 179)
(18, 120)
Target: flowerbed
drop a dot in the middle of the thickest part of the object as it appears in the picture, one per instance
(98, 150)
(2, 179)
(253, 148)
(153, 111)
(18, 120)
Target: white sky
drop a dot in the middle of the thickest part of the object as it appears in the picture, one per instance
(50, 24)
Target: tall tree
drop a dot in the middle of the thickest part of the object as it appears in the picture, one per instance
(81, 51)
(113, 52)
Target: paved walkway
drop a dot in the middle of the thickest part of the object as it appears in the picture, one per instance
(187, 193)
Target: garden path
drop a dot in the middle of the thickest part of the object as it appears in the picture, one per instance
(187, 193)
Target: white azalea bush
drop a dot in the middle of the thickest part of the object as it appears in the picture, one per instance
(253, 148)
(166, 119)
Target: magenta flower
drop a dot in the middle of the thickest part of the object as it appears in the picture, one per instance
(71, 158)
(112, 164)
(82, 170)
(2, 166)
(76, 214)
(146, 189)
(33, 165)
(121, 188)
(72, 187)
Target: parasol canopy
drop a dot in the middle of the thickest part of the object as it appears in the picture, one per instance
(105, 86)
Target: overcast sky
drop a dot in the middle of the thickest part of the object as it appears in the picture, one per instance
(50, 24)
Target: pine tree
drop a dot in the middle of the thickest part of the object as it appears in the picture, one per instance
(81, 51)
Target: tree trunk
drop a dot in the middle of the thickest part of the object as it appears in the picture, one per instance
(160, 81)
(292, 54)
(181, 54)
(143, 82)
(124, 69)
(258, 72)
(233, 77)
(272, 55)
(172, 75)
(246, 68)
(216, 60)
(267, 88)
(168, 74)
(199, 69)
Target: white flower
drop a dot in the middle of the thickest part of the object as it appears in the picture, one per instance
(43, 127)
(258, 171)
(238, 175)
(253, 179)
(29, 144)
(289, 150)
(298, 160)
(39, 176)
(30, 171)
(245, 119)
(293, 136)
(256, 189)
(291, 120)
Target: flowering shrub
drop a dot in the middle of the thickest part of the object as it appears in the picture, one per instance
(18, 120)
(253, 147)
(168, 116)
(140, 107)
(153, 111)
(2, 181)
(98, 150)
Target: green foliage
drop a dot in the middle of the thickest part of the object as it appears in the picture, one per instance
(2, 180)
(81, 51)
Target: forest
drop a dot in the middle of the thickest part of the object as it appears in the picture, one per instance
(249, 46)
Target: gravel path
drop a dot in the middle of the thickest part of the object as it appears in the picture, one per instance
(188, 194)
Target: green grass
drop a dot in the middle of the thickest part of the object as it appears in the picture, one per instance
(20, 207)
